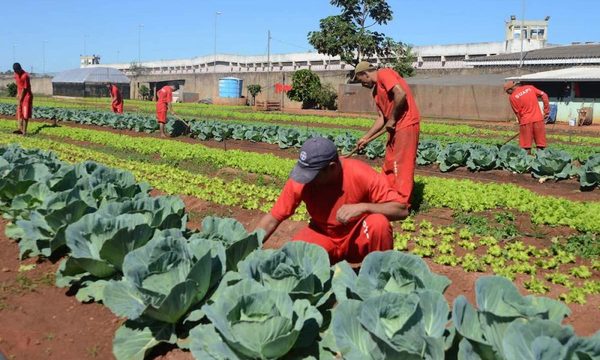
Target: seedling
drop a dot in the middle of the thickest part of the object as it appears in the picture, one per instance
(575, 295)
(581, 272)
(471, 263)
(408, 225)
(536, 286)
(559, 279)
(446, 249)
(450, 260)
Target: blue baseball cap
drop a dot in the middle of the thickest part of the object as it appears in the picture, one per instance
(315, 155)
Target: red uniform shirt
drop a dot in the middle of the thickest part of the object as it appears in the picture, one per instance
(524, 102)
(165, 97)
(116, 94)
(23, 83)
(360, 184)
(384, 98)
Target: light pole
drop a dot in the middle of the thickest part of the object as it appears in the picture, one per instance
(44, 56)
(140, 27)
(522, 31)
(215, 59)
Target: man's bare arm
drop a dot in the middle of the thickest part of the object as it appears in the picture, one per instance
(392, 210)
(268, 224)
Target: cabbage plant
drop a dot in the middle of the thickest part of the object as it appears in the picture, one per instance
(453, 156)
(232, 234)
(100, 241)
(162, 281)
(552, 164)
(252, 321)
(299, 269)
(427, 152)
(515, 159)
(498, 305)
(385, 272)
(589, 174)
(482, 157)
(547, 340)
(374, 150)
(391, 326)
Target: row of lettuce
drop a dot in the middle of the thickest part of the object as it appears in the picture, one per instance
(549, 164)
(218, 294)
(241, 113)
(289, 135)
(168, 176)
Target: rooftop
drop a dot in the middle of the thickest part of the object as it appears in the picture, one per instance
(581, 74)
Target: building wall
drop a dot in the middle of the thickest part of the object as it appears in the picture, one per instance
(466, 102)
(40, 85)
(207, 85)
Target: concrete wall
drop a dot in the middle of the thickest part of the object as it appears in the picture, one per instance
(41, 85)
(207, 85)
(468, 102)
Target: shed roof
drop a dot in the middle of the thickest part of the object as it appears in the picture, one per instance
(579, 73)
(569, 54)
(91, 75)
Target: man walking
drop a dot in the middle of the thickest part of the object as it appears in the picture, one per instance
(398, 113)
(116, 98)
(24, 98)
(350, 205)
(524, 102)
(164, 105)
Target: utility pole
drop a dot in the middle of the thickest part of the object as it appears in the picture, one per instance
(215, 52)
(140, 27)
(522, 31)
(44, 56)
(268, 65)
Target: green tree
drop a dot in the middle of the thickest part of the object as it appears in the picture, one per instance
(305, 88)
(144, 92)
(11, 89)
(254, 90)
(403, 60)
(348, 35)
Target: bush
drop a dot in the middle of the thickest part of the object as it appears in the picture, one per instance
(144, 92)
(11, 89)
(254, 90)
(306, 86)
(326, 98)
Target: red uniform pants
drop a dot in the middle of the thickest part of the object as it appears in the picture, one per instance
(400, 159)
(24, 108)
(161, 112)
(117, 107)
(535, 131)
(372, 233)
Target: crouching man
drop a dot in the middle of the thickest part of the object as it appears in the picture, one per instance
(350, 204)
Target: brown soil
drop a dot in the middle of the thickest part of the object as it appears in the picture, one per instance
(46, 322)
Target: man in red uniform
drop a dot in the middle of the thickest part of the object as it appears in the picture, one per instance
(398, 113)
(116, 98)
(349, 204)
(24, 98)
(163, 105)
(524, 102)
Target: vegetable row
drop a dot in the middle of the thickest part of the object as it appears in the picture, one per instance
(432, 191)
(216, 293)
(145, 123)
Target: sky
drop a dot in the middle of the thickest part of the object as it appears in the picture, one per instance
(50, 35)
